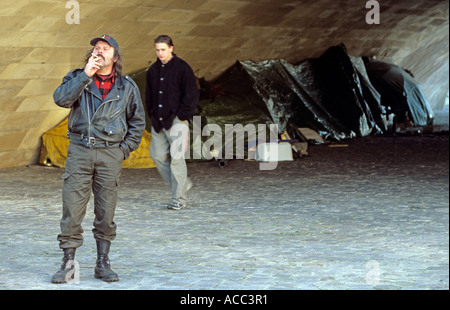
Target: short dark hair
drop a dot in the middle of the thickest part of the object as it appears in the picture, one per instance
(164, 39)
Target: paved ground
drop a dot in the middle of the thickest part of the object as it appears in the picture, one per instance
(370, 213)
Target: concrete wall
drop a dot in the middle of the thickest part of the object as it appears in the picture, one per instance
(38, 47)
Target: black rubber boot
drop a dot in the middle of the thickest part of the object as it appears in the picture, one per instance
(102, 267)
(65, 273)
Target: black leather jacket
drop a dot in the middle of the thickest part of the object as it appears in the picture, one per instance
(119, 119)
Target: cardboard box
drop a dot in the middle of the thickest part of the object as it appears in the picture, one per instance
(274, 151)
(309, 135)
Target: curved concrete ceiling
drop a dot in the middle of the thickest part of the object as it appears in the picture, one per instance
(39, 44)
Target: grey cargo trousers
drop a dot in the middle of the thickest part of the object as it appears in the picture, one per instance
(89, 169)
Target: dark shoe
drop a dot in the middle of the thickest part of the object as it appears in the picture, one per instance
(102, 267)
(65, 273)
(176, 205)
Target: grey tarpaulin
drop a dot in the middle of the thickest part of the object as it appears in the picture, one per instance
(331, 94)
(399, 92)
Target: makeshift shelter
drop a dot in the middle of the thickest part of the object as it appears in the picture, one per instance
(331, 94)
(400, 93)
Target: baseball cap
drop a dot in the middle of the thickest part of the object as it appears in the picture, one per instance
(111, 41)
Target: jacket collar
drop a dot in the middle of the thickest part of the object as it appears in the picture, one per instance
(168, 64)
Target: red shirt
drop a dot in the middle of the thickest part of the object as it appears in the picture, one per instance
(104, 83)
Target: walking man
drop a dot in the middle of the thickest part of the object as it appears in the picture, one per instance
(171, 98)
(106, 123)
